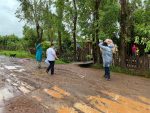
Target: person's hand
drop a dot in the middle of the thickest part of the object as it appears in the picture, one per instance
(100, 40)
(108, 41)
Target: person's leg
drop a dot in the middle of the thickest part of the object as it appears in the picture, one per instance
(39, 64)
(107, 72)
(49, 67)
(105, 68)
(52, 67)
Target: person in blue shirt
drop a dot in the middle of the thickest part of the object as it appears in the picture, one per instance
(107, 56)
(39, 54)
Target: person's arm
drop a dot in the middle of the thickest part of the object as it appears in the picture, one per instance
(103, 47)
(37, 47)
(46, 52)
(111, 45)
(54, 54)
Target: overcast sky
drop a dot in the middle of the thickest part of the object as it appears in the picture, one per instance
(9, 24)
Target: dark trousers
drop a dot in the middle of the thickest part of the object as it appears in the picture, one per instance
(51, 67)
(107, 72)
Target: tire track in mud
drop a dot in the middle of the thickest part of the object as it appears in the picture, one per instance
(77, 99)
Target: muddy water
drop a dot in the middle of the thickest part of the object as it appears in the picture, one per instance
(1, 110)
(7, 92)
(7, 79)
(71, 90)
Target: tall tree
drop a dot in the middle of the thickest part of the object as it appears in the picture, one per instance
(141, 24)
(60, 10)
(70, 21)
(74, 27)
(32, 12)
(49, 22)
(123, 31)
(96, 50)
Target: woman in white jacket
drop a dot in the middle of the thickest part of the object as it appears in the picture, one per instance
(107, 56)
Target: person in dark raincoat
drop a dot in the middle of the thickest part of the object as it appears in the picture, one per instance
(39, 54)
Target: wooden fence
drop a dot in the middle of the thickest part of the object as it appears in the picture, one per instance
(142, 62)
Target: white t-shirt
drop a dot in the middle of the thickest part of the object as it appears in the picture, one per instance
(51, 54)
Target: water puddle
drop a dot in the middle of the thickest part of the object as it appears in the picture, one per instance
(14, 68)
(1, 68)
(7, 93)
(10, 67)
(1, 110)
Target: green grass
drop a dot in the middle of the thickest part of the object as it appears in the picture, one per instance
(60, 62)
(19, 54)
(143, 73)
(25, 54)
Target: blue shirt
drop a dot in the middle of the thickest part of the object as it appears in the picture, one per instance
(106, 54)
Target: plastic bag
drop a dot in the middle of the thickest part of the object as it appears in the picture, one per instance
(47, 62)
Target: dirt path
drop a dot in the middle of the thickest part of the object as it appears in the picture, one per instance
(26, 89)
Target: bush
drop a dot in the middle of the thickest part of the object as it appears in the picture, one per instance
(60, 62)
(89, 57)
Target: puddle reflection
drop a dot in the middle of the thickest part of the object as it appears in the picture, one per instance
(1, 110)
(6, 93)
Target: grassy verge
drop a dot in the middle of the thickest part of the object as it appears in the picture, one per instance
(19, 54)
(143, 73)
(25, 54)
(60, 62)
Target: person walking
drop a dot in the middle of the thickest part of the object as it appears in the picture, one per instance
(39, 54)
(51, 56)
(107, 56)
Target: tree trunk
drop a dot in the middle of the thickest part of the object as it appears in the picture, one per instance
(94, 53)
(60, 10)
(74, 29)
(39, 33)
(60, 44)
(123, 32)
(96, 50)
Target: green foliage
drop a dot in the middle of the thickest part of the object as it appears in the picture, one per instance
(142, 35)
(30, 37)
(147, 49)
(109, 15)
(56, 19)
(60, 61)
(10, 42)
(89, 57)
(141, 24)
(31, 11)
(45, 45)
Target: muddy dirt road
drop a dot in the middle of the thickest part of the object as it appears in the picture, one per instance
(26, 89)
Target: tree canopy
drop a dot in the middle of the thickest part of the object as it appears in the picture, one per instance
(58, 20)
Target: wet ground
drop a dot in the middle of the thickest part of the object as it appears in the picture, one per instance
(26, 89)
